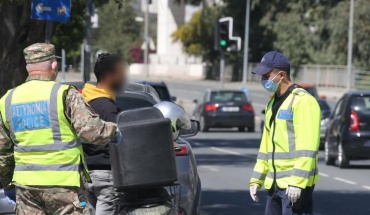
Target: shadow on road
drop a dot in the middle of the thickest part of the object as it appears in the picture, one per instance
(325, 203)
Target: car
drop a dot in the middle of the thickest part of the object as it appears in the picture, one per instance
(311, 89)
(348, 132)
(325, 115)
(6, 208)
(162, 90)
(225, 109)
(140, 96)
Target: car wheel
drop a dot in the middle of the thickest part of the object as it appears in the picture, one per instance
(329, 161)
(251, 128)
(241, 129)
(203, 125)
(342, 159)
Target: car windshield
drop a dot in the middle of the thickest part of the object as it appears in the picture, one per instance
(162, 92)
(220, 97)
(323, 105)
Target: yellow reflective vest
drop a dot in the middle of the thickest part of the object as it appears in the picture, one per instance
(288, 152)
(47, 151)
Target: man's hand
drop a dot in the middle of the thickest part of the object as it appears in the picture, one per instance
(293, 193)
(253, 191)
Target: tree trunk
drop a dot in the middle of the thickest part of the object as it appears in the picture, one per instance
(18, 31)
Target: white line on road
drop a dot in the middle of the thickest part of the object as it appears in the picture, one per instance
(345, 181)
(225, 151)
(324, 175)
(196, 143)
(366, 187)
(210, 168)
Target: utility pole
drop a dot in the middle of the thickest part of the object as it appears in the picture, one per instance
(350, 46)
(87, 41)
(146, 38)
(63, 65)
(246, 42)
(48, 31)
(222, 68)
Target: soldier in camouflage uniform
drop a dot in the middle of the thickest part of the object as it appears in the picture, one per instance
(82, 122)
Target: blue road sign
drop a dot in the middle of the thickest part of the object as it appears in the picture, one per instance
(51, 10)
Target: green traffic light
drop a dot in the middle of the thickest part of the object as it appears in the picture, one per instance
(223, 43)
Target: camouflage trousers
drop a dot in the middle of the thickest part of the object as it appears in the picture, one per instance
(50, 201)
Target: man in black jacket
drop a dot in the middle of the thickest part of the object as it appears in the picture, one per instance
(111, 77)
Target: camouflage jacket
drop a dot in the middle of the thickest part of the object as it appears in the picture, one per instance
(86, 123)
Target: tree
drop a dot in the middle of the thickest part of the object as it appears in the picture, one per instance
(118, 31)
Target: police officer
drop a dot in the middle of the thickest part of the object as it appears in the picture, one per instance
(41, 125)
(287, 159)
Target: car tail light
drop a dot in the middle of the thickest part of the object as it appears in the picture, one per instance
(181, 212)
(80, 90)
(247, 107)
(210, 107)
(355, 121)
(181, 150)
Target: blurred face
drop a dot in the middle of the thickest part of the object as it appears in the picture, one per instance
(118, 78)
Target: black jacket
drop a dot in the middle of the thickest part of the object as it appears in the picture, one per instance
(97, 156)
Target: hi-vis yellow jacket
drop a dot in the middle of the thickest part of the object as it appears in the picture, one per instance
(288, 152)
(47, 151)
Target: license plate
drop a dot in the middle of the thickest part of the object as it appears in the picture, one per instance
(230, 109)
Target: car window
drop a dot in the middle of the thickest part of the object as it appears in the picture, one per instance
(162, 92)
(360, 103)
(323, 105)
(338, 108)
(228, 97)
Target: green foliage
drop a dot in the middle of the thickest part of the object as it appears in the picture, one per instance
(118, 31)
(197, 35)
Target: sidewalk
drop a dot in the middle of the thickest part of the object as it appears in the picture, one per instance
(329, 93)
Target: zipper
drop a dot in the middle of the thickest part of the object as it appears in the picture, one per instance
(273, 152)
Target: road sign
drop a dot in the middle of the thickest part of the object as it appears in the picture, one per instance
(51, 10)
(228, 21)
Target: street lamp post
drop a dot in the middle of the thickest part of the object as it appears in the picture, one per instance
(246, 42)
(146, 38)
(350, 45)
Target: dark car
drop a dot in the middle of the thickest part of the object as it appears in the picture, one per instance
(140, 96)
(348, 132)
(225, 109)
(162, 90)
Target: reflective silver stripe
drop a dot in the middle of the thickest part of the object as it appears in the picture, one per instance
(262, 156)
(295, 172)
(53, 113)
(46, 167)
(294, 154)
(290, 128)
(8, 114)
(48, 147)
(304, 173)
(258, 175)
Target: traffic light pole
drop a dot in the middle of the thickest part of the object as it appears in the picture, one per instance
(222, 68)
(88, 38)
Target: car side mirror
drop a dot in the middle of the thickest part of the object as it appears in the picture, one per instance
(173, 98)
(194, 129)
(195, 101)
(263, 111)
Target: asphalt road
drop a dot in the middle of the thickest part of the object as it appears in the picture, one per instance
(225, 160)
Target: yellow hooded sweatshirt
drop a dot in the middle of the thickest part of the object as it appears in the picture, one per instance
(91, 92)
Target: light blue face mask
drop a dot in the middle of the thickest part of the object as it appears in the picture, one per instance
(270, 85)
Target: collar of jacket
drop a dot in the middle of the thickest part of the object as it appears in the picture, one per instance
(39, 77)
(91, 92)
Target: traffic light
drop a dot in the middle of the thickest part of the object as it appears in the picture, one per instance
(224, 40)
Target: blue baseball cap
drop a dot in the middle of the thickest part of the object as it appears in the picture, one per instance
(270, 60)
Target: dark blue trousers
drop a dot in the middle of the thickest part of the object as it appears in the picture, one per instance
(278, 203)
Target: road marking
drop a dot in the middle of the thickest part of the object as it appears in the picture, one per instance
(196, 143)
(366, 187)
(210, 168)
(225, 151)
(345, 181)
(324, 175)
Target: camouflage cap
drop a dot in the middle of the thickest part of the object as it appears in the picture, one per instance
(39, 52)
